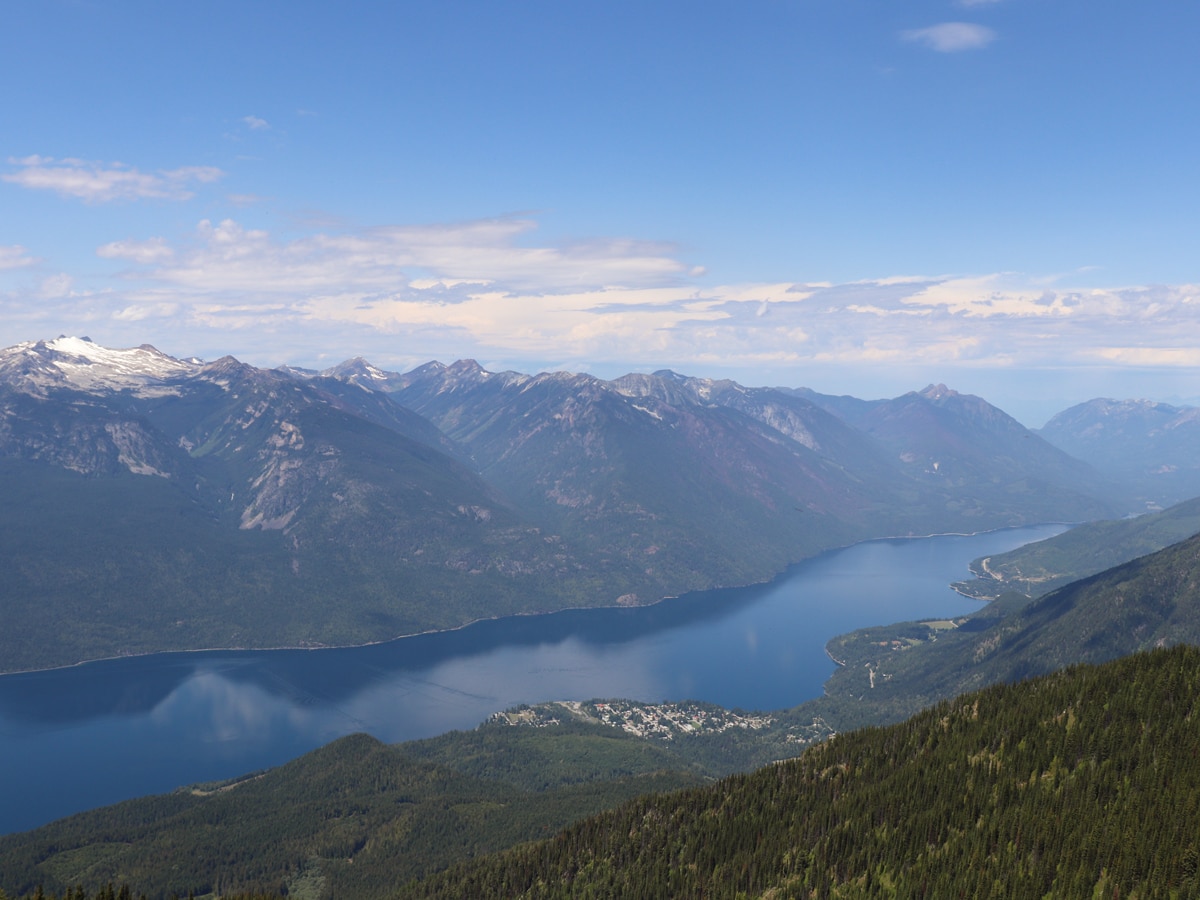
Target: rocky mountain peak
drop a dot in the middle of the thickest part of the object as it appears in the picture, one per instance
(82, 364)
(466, 367)
(357, 368)
(938, 392)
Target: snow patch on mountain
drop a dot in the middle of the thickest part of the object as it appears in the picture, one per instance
(80, 363)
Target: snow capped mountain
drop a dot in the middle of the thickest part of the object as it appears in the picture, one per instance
(360, 372)
(235, 501)
(80, 363)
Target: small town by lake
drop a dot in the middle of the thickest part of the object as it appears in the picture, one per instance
(89, 735)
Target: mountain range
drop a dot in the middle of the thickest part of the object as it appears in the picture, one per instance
(976, 779)
(160, 503)
(1149, 446)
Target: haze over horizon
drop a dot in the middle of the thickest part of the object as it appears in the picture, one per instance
(857, 197)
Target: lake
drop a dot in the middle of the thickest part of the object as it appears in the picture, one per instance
(89, 735)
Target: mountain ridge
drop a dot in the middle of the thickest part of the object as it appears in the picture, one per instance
(1148, 602)
(1148, 444)
(444, 495)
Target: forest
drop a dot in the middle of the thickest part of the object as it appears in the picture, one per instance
(1078, 784)
(1084, 782)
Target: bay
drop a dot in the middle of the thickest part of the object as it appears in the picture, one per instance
(93, 734)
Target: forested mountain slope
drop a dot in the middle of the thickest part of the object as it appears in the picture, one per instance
(1084, 550)
(161, 504)
(1083, 783)
(934, 461)
(158, 505)
(355, 818)
(891, 671)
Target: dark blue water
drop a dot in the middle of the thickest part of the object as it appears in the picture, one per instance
(72, 739)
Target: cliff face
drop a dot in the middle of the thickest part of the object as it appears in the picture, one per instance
(266, 507)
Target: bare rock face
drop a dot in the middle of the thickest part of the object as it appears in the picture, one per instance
(218, 504)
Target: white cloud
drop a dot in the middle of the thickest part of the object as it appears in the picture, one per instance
(491, 289)
(57, 286)
(951, 37)
(95, 182)
(488, 288)
(254, 123)
(145, 252)
(149, 310)
(1150, 357)
(990, 296)
(15, 257)
(227, 256)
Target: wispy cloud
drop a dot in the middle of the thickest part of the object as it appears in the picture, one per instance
(491, 252)
(56, 286)
(95, 182)
(951, 37)
(491, 289)
(254, 123)
(15, 257)
(148, 252)
(1150, 357)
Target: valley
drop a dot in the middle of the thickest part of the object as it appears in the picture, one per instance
(222, 506)
(1110, 745)
(599, 450)
(216, 505)
(176, 719)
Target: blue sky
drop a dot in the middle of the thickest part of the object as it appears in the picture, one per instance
(859, 197)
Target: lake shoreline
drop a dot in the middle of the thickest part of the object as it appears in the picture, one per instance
(456, 628)
(75, 738)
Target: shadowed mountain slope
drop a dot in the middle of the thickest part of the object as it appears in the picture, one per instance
(178, 504)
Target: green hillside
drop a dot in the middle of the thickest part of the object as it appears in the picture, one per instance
(1083, 783)
(352, 819)
(1036, 569)
(889, 672)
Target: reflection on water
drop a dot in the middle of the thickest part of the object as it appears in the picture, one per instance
(210, 708)
(75, 738)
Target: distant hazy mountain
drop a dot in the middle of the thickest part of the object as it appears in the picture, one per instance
(1154, 446)
(690, 492)
(745, 477)
(961, 442)
(157, 503)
